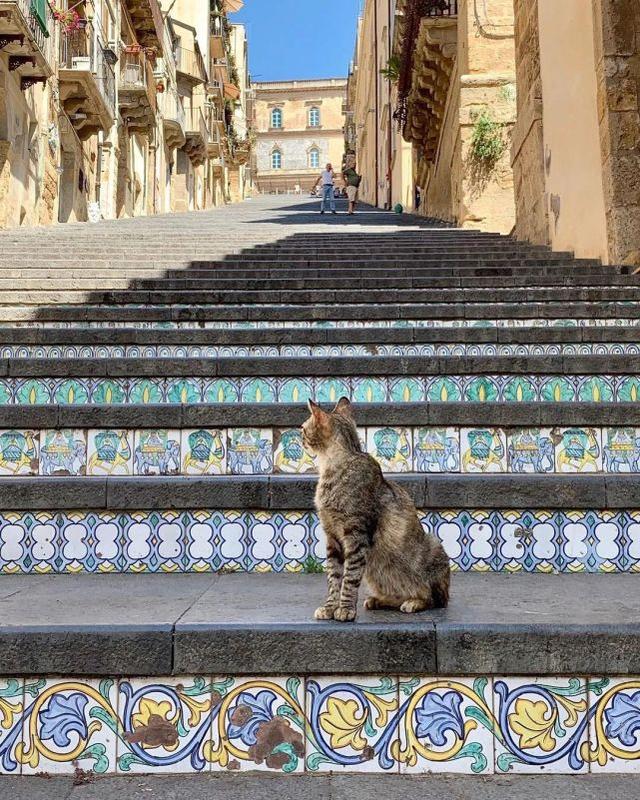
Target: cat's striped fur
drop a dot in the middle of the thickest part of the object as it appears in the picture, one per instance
(372, 526)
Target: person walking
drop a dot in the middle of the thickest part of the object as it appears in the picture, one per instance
(327, 181)
(352, 181)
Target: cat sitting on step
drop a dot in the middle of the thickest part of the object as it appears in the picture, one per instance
(371, 525)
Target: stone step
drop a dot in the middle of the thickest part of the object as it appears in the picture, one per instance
(290, 415)
(332, 786)
(456, 314)
(373, 337)
(325, 297)
(107, 625)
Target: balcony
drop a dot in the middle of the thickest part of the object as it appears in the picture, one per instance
(215, 86)
(137, 96)
(197, 134)
(148, 23)
(25, 35)
(217, 46)
(173, 119)
(190, 65)
(87, 81)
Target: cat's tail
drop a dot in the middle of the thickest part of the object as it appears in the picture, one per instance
(440, 590)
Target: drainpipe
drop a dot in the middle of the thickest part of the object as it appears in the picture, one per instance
(389, 90)
(377, 117)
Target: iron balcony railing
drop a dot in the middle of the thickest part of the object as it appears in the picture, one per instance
(83, 50)
(190, 63)
(173, 109)
(440, 8)
(136, 74)
(196, 122)
(39, 20)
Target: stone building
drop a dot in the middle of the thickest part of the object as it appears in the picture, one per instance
(113, 108)
(299, 128)
(522, 116)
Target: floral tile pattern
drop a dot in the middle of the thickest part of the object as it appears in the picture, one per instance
(351, 724)
(67, 724)
(481, 540)
(290, 724)
(544, 724)
(453, 388)
(446, 726)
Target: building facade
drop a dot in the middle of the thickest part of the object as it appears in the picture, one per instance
(114, 108)
(521, 117)
(299, 128)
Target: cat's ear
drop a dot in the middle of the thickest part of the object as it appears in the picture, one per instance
(344, 407)
(315, 409)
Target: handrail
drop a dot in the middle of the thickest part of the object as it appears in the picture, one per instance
(40, 37)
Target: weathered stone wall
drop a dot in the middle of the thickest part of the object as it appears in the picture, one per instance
(527, 151)
(617, 52)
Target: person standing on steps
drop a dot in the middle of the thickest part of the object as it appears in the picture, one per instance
(352, 181)
(327, 180)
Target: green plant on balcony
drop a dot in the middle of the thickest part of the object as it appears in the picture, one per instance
(392, 71)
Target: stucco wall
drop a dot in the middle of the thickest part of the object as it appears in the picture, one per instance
(570, 130)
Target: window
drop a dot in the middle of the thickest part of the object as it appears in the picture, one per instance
(314, 158)
(276, 160)
(276, 118)
(314, 117)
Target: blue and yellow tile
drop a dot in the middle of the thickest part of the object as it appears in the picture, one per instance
(352, 724)
(289, 455)
(621, 450)
(531, 450)
(614, 709)
(436, 449)
(578, 450)
(204, 452)
(222, 390)
(296, 390)
(63, 452)
(250, 451)
(157, 452)
(110, 452)
(19, 452)
(391, 447)
(446, 725)
(483, 450)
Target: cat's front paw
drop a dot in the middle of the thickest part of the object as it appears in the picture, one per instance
(345, 614)
(325, 612)
(371, 603)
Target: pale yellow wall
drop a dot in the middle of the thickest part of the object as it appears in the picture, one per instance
(296, 137)
(570, 123)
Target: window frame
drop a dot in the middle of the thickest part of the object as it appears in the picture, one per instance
(277, 112)
(276, 153)
(314, 112)
(314, 151)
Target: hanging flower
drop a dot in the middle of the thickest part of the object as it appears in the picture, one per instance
(69, 20)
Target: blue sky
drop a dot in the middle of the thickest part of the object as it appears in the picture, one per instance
(299, 38)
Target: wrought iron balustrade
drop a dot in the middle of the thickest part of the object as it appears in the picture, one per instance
(39, 19)
(439, 8)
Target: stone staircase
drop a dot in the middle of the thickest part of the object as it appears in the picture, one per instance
(153, 378)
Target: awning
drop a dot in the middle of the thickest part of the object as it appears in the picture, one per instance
(231, 6)
(231, 92)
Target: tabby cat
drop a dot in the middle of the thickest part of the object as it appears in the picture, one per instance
(371, 525)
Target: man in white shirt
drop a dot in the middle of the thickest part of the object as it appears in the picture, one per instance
(327, 180)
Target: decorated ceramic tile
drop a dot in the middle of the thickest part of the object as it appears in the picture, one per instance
(621, 450)
(531, 450)
(578, 450)
(526, 541)
(436, 449)
(352, 724)
(614, 710)
(63, 453)
(68, 724)
(483, 450)
(157, 452)
(259, 725)
(166, 724)
(446, 725)
(543, 723)
(19, 452)
(391, 447)
(250, 451)
(289, 455)
(369, 390)
(204, 452)
(258, 390)
(110, 452)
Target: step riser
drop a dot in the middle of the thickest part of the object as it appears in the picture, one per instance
(279, 451)
(474, 389)
(214, 540)
(317, 351)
